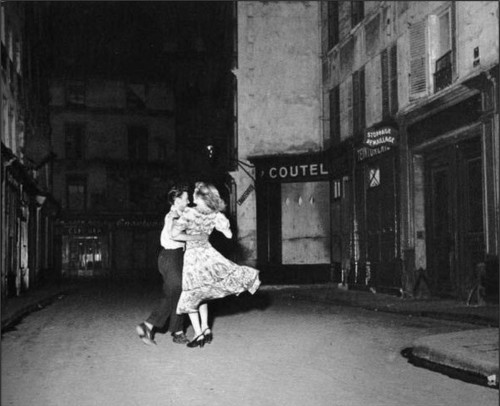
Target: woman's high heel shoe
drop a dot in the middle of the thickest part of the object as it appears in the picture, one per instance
(198, 341)
(208, 336)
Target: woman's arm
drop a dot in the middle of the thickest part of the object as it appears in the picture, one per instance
(177, 233)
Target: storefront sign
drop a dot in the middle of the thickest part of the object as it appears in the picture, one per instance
(295, 171)
(381, 136)
(365, 153)
(245, 195)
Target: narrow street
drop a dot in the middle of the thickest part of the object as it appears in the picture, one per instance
(269, 349)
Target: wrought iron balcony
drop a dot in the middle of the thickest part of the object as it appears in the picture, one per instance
(443, 73)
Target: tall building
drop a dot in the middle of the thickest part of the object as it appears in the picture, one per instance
(410, 89)
(27, 207)
(115, 147)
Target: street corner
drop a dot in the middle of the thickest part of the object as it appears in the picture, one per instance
(470, 355)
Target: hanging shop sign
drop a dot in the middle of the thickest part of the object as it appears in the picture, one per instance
(377, 141)
(381, 136)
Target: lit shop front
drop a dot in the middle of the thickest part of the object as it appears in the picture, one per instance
(85, 249)
(293, 218)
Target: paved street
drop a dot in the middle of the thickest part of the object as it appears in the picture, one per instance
(270, 349)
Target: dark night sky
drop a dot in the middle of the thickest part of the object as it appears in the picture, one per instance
(136, 38)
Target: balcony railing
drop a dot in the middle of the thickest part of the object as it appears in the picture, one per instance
(443, 73)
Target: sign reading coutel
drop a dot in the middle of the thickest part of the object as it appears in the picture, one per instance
(295, 171)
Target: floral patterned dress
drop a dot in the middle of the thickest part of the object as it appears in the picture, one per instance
(207, 274)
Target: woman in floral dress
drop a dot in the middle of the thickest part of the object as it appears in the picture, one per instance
(207, 274)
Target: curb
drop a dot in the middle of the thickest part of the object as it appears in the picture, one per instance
(10, 321)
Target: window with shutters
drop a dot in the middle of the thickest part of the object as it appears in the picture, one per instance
(389, 60)
(358, 103)
(334, 97)
(333, 23)
(418, 60)
(357, 12)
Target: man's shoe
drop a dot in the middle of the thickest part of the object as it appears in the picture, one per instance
(145, 334)
(180, 338)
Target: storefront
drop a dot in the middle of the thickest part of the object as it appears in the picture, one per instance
(293, 218)
(453, 221)
(84, 248)
(376, 210)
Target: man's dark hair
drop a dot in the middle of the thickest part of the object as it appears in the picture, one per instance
(175, 192)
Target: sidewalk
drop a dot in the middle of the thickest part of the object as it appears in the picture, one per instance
(474, 352)
(471, 355)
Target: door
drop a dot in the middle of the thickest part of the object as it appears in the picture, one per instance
(454, 217)
(381, 223)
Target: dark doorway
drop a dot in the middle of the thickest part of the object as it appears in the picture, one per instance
(380, 223)
(454, 217)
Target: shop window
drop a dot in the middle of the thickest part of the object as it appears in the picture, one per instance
(334, 115)
(76, 193)
(358, 103)
(333, 23)
(357, 12)
(74, 140)
(389, 60)
(138, 143)
(337, 189)
(374, 177)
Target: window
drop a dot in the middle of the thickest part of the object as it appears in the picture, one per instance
(389, 60)
(443, 70)
(75, 139)
(138, 143)
(75, 94)
(136, 96)
(333, 23)
(357, 12)
(138, 190)
(76, 193)
(358, 103)
(337, 189)
(334, 115)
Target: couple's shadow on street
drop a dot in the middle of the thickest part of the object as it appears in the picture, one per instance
(232, 305)
(243, 303)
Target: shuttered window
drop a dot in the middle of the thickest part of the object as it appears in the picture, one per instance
(389, 60)
(334, 115)
(418, 60)
(333, 23)
(357, 12)
(358, 108)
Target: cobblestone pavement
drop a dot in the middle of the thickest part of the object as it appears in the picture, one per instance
(269, 349)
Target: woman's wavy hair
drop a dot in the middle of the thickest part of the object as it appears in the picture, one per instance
(210, 196)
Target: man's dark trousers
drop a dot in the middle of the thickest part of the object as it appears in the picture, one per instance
(170, 263)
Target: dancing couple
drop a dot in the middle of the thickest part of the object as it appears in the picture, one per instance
(193, 271)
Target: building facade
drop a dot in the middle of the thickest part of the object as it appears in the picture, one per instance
(27, 207)
(282, 198)
(373, 143)
(411, 89)
(115, 147)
